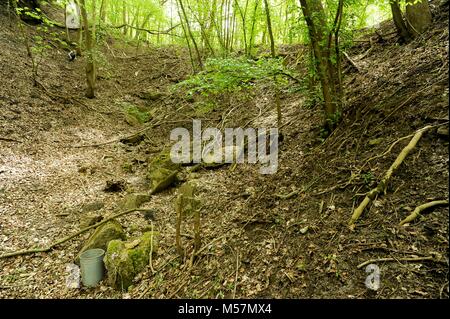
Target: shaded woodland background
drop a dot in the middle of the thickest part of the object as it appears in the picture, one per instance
(79, 141)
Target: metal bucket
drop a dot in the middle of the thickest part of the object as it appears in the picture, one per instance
(92, 267)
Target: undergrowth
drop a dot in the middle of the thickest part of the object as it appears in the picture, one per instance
(230, 75)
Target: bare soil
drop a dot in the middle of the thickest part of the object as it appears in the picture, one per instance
(257, 244)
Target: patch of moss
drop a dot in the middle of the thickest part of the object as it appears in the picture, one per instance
(124, 260)
(104, 234)
(134, 112)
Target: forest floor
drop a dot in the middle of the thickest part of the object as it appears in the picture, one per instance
(258, 244)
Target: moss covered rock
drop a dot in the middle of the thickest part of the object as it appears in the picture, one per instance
(125, 260)
(90, 219)
(162, 172)
(186, 201)
(102, 236)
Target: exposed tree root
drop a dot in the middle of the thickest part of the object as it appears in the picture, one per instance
(63, 240)
(384, 182)
(353, 63)
(9, 140)
(295, 192)
(149, 127)
(412, 259)
(421, 208)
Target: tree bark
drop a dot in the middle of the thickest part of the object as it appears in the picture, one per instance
(314, 14)
(269, 29)
(418, 16)
(90, 63)
(400, 24)
(189, 31)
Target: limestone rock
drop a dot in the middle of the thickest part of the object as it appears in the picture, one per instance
(186, 200)
(132, 201)
(90, 219)
(218, 159)
(112, 230)
(162, 172)
(92, 207)
(125, 260)
(375, 141)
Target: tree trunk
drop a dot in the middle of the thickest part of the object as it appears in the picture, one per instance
(252, 31)
(418, 16)
(90, 63)
(400, 24)
(103, 6)
(314, 14)
(269, 29)
(188, 29)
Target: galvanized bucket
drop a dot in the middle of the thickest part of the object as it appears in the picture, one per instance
(92, 267)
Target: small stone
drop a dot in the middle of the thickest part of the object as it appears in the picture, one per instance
(304, 230)
(131, 120)
(90, 219)
(162, 172)
(151, 95)
(132, 201)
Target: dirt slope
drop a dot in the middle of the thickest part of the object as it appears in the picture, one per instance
(260, 245)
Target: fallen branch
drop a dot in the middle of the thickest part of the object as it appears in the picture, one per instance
(290, 76)
(372, 261)
(63, 240)
(9, 140)
(421, 208)
(289, 195)
(149, 127)
(384, 182)
(152, 32)
(353, 63)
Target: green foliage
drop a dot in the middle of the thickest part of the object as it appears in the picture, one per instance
(231, 74)
(368, 178)
(134, 111)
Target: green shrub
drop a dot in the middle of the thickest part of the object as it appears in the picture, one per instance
(231, 74)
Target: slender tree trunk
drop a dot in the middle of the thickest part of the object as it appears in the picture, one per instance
(418, 16)
(269, 29)
(252, 32)
(316, 21)
(243, 15)
(197, 51)
(90, 63)
(185, 32)
(124, 17)
(203, 32)
(400, 24)
(103, 6)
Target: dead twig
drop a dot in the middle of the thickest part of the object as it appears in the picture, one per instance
(412, 259)
(351, 61)
(381, 187)
(9, 140)
(67, 238)
(236, 276)
(131, 135)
